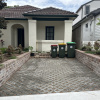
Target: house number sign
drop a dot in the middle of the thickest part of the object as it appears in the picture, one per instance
(62, 48)
(54, 50)
(71, 46)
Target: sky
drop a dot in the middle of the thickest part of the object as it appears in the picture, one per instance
(70, 5)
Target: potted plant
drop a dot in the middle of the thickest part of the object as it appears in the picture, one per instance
(31, 49)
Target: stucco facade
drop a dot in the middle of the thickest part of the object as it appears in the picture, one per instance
(10, 34)
(39, 28)
(34, 33)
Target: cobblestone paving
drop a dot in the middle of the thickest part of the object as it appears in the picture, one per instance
(42, 76)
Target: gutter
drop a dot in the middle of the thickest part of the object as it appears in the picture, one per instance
(50, 15)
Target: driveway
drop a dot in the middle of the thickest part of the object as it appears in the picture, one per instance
(48, 75)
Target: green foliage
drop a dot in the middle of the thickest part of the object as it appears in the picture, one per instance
(2, 4)
(31, 48)
(98, 22)
(1, 66)
(3, 23)
(26, 49)
(98, 52)
(96, 46)
(91, 52)
(10, 50)
(3, 50)
(19, 49)
(88, 47)
(12, 57)
(1, 56)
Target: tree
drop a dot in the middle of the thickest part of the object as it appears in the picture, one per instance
(2, 20)
(98, 22)
(2, 4)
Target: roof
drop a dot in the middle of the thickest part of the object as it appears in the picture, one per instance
(50, 11)
(16, 12)
(93, 13)
(21, 11)
(83, 5)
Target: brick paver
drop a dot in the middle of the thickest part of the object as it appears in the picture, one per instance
(42, 76)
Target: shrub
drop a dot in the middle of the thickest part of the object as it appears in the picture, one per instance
(96, 46)
(30, 48)
(3, 50)
(89, 47)
(98, 52)
(83, 48)
(1, 56)
(18, 50)
(10, 50)
(26, 49)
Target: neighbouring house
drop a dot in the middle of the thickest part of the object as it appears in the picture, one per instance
(40, 28)
(85, 26)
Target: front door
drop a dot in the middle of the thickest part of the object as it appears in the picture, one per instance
(21, 36)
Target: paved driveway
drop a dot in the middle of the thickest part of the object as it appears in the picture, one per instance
(42, 76)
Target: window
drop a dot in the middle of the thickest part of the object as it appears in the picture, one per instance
(86, 25)
(49, 32)
(87, 9)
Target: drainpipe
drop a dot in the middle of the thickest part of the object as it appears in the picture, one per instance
(92, 33)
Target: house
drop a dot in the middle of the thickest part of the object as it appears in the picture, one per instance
(85, 26)
(40, 28)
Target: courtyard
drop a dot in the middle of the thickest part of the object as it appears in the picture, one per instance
(47, 75)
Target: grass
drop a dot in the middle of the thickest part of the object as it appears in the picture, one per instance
(12, 57)
(3, 50)
(91, 52)
(1, 66)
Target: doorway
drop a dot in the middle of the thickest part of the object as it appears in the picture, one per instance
(20, 35)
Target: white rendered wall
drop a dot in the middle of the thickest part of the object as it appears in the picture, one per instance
(7, 32)
(97, 29)
(45, 45)
(86, 31)
(58, 29)
(93, 6)
(68, 31)
(32, 30)
(79, 17)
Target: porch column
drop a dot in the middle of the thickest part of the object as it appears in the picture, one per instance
(32, 30)
(68, 31)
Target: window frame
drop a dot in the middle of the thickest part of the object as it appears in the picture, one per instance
(47, 32)
(86, 9)
(86, 25)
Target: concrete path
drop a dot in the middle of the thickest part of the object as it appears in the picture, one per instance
(43, 76)
(89, 95)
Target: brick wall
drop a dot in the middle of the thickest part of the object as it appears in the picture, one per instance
(10, 66)
(90, 60)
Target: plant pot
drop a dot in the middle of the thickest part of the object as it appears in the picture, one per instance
(32, 54)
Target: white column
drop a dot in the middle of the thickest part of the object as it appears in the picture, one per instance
(68, 31)
(32, 30)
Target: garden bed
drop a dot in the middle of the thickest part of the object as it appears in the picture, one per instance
(90, 60)
(8, 67)
(14, 56)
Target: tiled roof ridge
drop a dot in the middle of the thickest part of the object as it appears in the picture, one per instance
(49, 8)
(19, 7)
